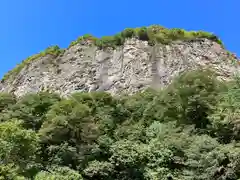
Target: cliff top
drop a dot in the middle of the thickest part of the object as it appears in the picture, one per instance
(152, 34)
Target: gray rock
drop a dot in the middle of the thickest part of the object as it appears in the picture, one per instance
(127, 69)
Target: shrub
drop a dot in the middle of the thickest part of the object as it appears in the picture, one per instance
(118, 39)
(162, 38)
(175, 34)
(82, 38)
(152, 31)
(128, 33)
(109, 41)
(142, 34)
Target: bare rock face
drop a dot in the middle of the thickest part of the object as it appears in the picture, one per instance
(126, 69)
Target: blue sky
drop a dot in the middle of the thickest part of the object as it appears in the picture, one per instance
(29, 26)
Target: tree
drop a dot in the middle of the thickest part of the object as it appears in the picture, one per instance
(58, 173)
(69, 130)
(10, 172)
(99, 170)
(190, 98)
(187, 130)
(18, 146)
(128, 158)
(225, 118)
(31, 109)
(6, 100)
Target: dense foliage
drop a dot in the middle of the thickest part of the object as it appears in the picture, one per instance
(188, 131)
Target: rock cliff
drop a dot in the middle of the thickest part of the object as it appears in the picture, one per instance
(128, 68)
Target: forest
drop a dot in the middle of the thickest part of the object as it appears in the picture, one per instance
(189, 130)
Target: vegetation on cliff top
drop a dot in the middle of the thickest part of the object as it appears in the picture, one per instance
(153, 34)
(188, 131)
(52, 50)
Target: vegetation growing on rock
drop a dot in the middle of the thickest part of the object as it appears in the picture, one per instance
(189, 130)
(83, 38)
(153, 34)
(52, 50)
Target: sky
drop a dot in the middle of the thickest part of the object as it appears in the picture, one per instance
(29, 26)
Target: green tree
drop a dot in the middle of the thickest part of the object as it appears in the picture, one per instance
(6, 100)
(188, 130)
(129, 158)
(18, 146)
(225, 119)
(31, 109)
(58, 173)
(189, 99)
(99, 170)
(69, 132)
(10, 172)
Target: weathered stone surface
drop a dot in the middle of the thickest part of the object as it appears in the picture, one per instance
(127, 69)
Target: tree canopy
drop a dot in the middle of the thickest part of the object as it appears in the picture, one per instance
(189, 130)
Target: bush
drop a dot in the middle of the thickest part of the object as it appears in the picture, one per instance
(118, 40)
(153, 34)
(109, 41)
(128, 33)
(176, 34)
(83, 38)
(142, 34)
(162, 38)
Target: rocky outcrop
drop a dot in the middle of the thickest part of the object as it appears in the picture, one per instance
(126, 69)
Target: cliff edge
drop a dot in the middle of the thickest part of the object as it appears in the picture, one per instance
(132, 66)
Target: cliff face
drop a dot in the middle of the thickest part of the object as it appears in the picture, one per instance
(129, 68)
